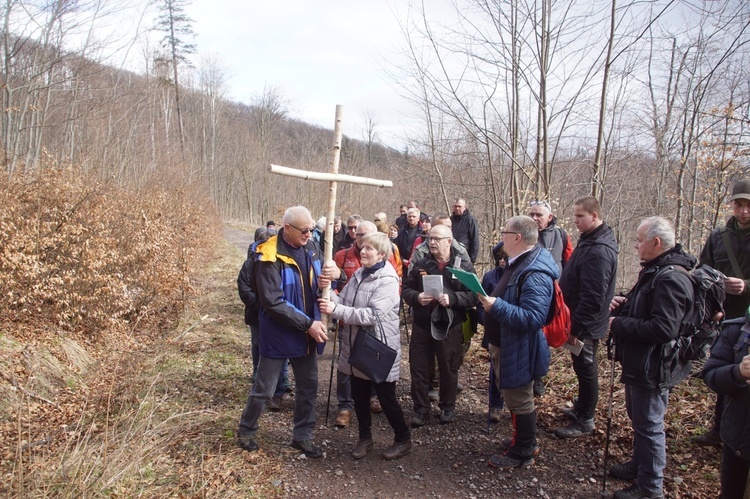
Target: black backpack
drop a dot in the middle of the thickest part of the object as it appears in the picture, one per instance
(699, 329)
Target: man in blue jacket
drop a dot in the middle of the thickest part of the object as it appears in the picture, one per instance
(286, 277)
(514, 314)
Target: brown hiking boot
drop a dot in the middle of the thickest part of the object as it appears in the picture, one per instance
(343, 418)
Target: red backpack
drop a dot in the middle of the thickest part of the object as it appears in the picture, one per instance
(557, 328)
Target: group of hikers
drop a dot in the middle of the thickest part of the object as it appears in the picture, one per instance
(418, 264)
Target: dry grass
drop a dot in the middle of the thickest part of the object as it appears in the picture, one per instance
(159, 421)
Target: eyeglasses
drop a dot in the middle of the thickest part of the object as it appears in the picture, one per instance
(541, 203)
(352, 227)
(437, 239)
(301, 231)
(360, 234)
(508, 232)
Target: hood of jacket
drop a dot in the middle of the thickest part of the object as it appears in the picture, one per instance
(551, 225)
(674, 256)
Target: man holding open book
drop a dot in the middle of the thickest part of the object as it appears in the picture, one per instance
(439, 302)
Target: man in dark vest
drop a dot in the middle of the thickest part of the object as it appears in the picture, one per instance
(554, 239)
(728, 250)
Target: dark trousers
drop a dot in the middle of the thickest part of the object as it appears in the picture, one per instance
(718, 411)
(386, 392)
(422, 349)
(734, 472)
(495, 394)
(587, 372)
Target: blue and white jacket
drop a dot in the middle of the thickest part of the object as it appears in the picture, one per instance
(280, 288)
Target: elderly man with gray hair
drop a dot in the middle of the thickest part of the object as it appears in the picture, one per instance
(439, 312)
(514, 314)
(646, 326)
(286, 275)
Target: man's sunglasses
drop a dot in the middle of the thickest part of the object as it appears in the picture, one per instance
(301, 231)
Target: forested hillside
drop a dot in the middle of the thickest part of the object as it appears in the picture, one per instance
(643, 104)
(118, 176)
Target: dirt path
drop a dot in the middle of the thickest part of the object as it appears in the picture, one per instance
(451, 460)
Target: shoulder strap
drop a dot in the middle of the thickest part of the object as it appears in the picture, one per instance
(562, 235)
(730, 252)
(742, 340)
(661, 271)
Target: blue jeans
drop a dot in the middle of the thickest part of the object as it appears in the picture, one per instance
(344, 391)
(255, 352)
(587, 371)
(305, 393)
(646, 409)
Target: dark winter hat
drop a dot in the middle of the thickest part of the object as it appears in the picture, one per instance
(498, 253)
(741, 190)
(270, 223)
(442, 320)
(260, 233)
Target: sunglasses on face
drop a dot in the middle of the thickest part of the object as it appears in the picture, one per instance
(301, 231)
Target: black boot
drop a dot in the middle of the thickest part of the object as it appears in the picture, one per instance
(523, 447)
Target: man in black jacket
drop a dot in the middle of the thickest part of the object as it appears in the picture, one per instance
(465, 228)
(246, 289)
(437, 328)
(588, 285)
(407, 235)
(646, 327)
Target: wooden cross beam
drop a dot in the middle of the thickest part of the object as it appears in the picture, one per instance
(333, 177)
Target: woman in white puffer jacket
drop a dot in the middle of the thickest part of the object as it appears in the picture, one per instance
(372, 290)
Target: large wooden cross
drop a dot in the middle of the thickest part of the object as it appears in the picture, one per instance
(333, 177)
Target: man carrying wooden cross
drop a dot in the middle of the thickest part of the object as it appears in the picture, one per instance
(288, 269)
(286, 274)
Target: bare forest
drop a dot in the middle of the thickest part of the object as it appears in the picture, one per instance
(643, 104)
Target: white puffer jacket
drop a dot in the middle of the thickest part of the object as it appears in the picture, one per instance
(357, 305)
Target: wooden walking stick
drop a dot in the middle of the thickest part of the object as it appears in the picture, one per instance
(333, 177)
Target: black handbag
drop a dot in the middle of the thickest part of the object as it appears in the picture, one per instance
(370, 354)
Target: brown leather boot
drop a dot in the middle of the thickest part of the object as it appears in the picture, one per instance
(343, 418)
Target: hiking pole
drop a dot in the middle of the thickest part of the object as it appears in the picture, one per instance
(611, 357)
(489, 395)
(333, 361)
(406, 323)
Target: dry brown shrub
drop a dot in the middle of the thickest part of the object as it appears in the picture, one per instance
(79, 256)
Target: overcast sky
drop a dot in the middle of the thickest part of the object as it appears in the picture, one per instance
(316, 53)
